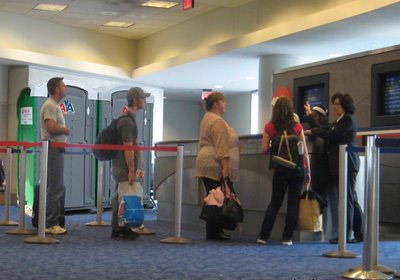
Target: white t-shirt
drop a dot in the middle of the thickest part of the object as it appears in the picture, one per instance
(52, 111)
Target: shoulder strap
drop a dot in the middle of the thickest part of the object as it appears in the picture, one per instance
(284, 137)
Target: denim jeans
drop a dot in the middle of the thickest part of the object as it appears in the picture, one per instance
(293, 181)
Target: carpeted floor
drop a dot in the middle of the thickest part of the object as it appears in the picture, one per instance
(89, 253)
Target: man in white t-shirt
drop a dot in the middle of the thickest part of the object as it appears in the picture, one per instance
(52, 124)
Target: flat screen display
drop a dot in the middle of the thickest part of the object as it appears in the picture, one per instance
(390, 94)
(312, 89)
(313, 94)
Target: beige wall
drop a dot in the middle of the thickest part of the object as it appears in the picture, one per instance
(24, 33)
(204, 32)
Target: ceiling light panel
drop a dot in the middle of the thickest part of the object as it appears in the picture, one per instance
(159, 4)
(50, 7)
(120, 24)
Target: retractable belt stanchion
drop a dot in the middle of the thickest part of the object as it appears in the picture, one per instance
(177, 239)
(7, 197)
(21, 230)
(41, 236)
(377, 266)
(342, 211)
(368, 271)
(99, 222)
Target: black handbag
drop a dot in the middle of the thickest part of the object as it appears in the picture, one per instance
(232, 211)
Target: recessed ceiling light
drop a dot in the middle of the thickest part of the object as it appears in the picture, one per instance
(159, 4)
(218, 86)
(250, 78)
(108, 13)
(118, 24)
(50, 7)
(335, 55)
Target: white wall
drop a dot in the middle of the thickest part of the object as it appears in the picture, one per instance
(238, 113)
(181, 119)
(3, 101)
(3, 104)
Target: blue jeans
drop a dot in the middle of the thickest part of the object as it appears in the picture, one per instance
(293, 181)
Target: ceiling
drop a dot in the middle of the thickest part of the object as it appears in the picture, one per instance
(91, 14)
(374, 30)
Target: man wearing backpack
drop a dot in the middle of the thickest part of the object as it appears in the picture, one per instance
(125, 163)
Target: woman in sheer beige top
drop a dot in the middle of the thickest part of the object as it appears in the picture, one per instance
(218, 156)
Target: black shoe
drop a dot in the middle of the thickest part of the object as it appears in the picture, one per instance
(333, 240)
(220, 236)
(356, 240)
(124, 235)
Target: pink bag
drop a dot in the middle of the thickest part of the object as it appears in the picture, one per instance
(215, 197)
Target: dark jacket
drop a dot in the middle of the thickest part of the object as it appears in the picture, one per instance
(339, 133)
(319, 160)
(2, 173)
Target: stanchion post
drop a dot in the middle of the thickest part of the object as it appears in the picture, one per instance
(22, 184)
(370, 218)
(41, 236)
(177, 239)
(377, 266)
(99, 208)
(342, 211)
(7, 194)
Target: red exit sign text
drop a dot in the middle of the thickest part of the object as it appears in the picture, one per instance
(188, 4)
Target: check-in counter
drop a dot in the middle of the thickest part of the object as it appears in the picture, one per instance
(254, 187)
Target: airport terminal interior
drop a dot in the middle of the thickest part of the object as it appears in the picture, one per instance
(179, 52)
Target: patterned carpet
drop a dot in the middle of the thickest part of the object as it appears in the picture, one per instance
(89, 253)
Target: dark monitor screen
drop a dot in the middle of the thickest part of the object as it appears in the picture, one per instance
(311, 89)
(313, 94)
(390, 93)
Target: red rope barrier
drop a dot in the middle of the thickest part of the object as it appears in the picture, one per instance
(20, 144)
(90, 146)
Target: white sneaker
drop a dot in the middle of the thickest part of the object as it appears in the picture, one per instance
(56, 230)
(287, 242)
(261, 241)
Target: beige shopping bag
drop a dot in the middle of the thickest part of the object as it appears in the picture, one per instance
(310, 218)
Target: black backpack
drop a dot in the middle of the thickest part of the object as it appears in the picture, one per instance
(285, 154)
(108, 135)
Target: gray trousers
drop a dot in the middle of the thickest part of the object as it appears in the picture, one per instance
(55, 199)
(114, 205)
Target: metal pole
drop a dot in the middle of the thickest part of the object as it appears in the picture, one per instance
(178, 192)
(41, 237)
(22, 184)
(377, 266)
(99, 212)
(7, 195)
(342, 209)
(370, 227)
(177, 239)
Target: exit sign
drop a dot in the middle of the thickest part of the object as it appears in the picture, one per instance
(188, 4)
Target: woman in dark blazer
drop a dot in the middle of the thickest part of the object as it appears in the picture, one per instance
(342, 131)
